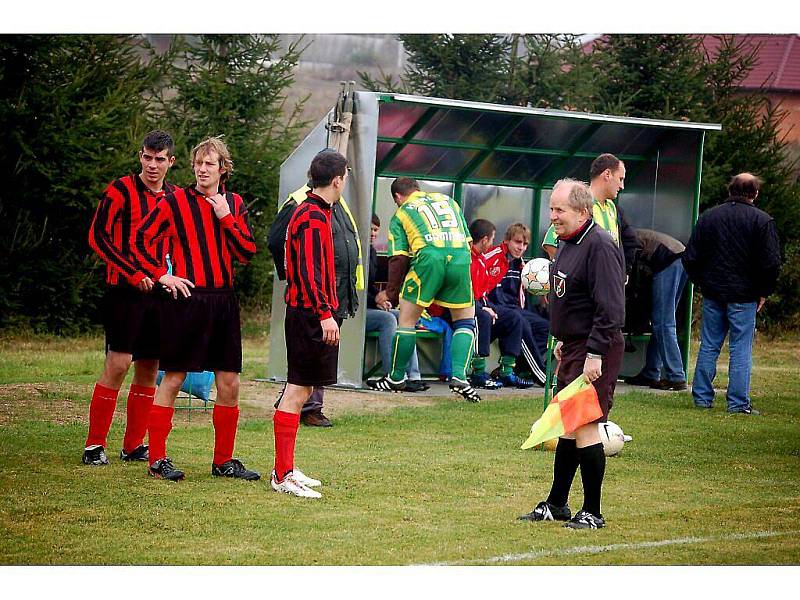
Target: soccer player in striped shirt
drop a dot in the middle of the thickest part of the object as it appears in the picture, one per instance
(200, 325)
(428, 232)
(130, 307)
(311, 324)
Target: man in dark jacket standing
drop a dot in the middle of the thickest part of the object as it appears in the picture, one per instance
(587, 312)
(734, 257)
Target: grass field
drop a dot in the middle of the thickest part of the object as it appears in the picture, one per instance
(437, 482)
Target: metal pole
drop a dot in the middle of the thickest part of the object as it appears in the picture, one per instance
(548, 384)
(689, 291)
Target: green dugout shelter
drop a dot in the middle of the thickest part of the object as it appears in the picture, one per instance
(499, 163)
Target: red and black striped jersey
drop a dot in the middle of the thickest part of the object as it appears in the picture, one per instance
(123, 205)
(310, 274)
(201, 245)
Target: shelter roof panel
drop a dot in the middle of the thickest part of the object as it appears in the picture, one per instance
(451, 125)
(382, 150)
(619, 138)
(551, 134)
(513, 166)
(576, 167)
(407, 100)
(396, 119)
(431, 160)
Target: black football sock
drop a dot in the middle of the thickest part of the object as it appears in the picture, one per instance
(564, 467)
(593, 467)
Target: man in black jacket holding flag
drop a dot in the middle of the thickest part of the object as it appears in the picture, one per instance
(587, 312)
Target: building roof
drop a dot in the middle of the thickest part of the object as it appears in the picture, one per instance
(778, 64)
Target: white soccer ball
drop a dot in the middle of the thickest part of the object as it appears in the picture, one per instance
(612, 437)
(536, 276)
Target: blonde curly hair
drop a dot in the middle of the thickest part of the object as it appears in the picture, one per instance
(215, 144)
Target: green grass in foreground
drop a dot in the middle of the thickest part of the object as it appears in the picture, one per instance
(442, 483)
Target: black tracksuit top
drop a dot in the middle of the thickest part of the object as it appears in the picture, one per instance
(587, 289)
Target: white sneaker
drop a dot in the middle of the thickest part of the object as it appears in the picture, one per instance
(305, 479)
(301, 477)
(290, 485)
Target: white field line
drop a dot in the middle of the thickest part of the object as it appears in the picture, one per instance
(576, 550)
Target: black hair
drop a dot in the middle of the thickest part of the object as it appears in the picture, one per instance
(404, 186)
(325, 166)
(159, 140)
(601, 163)
(481, 228)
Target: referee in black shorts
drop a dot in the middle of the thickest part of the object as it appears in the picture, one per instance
(587, 312)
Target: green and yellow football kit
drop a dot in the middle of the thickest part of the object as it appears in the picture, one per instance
(430, 228)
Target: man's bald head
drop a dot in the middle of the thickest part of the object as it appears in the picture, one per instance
(744, 185)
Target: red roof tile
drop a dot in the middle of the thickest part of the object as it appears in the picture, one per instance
(778, 65)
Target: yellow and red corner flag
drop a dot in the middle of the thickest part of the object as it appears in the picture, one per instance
(572, 407)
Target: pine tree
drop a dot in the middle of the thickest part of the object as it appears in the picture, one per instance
(541, 70)
(660, 76)
(235, 85)
(462, 67)
(73, 110)
(548, 71)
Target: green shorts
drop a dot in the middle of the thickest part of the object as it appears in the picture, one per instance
(440, 276)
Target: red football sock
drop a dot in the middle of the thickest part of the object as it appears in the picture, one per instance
(159, 426)
(101, 413)
(226, 419)
(140, 399)
(285, 425)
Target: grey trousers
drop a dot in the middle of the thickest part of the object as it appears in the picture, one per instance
(314, 402)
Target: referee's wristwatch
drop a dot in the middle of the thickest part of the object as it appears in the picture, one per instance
(590, 355)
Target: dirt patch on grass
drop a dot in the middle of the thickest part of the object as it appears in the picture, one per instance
(55, 402)
(258, 397)
(64, 403)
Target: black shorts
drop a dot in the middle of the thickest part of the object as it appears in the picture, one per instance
(311, 362)
(131, 321)
(202, 332)
(573, 356)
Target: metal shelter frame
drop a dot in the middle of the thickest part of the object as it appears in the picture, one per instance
(480, 147)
